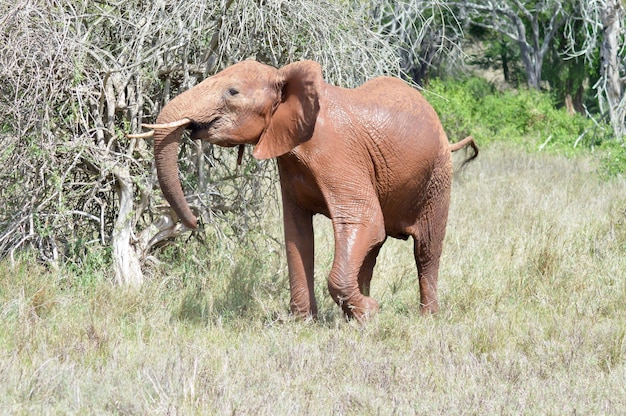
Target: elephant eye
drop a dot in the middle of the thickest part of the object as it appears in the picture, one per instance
(232, 91)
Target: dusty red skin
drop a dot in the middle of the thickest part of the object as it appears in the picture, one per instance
(374, 159)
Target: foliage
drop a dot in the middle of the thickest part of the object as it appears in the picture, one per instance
(493, 51)
(525, 117)
(599, 35)
(614, 159)
(570, 78)
(530, 25)
(528, 117)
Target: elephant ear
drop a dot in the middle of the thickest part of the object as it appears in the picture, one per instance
(293, 120)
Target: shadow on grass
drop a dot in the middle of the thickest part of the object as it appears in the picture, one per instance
(228, 295)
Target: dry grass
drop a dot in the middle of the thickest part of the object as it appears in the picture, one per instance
(533, 295)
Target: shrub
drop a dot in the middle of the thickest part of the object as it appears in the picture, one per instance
(614, 159)
(474, 107)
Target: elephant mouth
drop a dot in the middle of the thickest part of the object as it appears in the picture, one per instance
(203, 131)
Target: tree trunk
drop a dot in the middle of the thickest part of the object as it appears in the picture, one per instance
(574, 99)
(532, 64)
(610, 84)
(125, 259)
(504, 57)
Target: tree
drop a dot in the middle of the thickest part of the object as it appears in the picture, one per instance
(532, 25)
(568, 78)
(424, 33)
(611, 84)
(75, 76)
(603, 33)
(499, 52)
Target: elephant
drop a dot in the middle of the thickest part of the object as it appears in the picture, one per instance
(374, 159)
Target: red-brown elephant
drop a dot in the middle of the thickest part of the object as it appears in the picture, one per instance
(374, 159)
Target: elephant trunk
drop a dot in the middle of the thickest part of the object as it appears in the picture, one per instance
(166, 158)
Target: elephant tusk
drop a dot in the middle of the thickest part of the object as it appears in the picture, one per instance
(141, 135)
(173, 124)
(177, 123)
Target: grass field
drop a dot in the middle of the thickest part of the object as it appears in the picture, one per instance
(532, 321)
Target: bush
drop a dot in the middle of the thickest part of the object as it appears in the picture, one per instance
(614, 159)
(474, 107)
(528, 118)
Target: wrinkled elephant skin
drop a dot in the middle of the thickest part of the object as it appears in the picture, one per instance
(374, 159)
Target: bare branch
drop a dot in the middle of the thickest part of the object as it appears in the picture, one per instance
(523, 23)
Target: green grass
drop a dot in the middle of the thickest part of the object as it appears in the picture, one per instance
(532, 321)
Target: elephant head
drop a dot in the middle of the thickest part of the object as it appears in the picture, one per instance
(247, 103)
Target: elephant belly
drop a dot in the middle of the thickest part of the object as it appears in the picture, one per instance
(426, 191)
(402, 217)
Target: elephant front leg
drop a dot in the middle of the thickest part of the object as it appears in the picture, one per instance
(356, 247)
(299, 244)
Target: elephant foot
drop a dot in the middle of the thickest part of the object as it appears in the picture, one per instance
(304, 316)
(429, 308)
(304, 313)
(362, 311)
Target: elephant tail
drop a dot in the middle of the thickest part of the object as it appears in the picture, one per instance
(469, 140)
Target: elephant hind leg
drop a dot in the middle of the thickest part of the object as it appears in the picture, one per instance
(428, 246)
(428, 236)
(428, 271)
